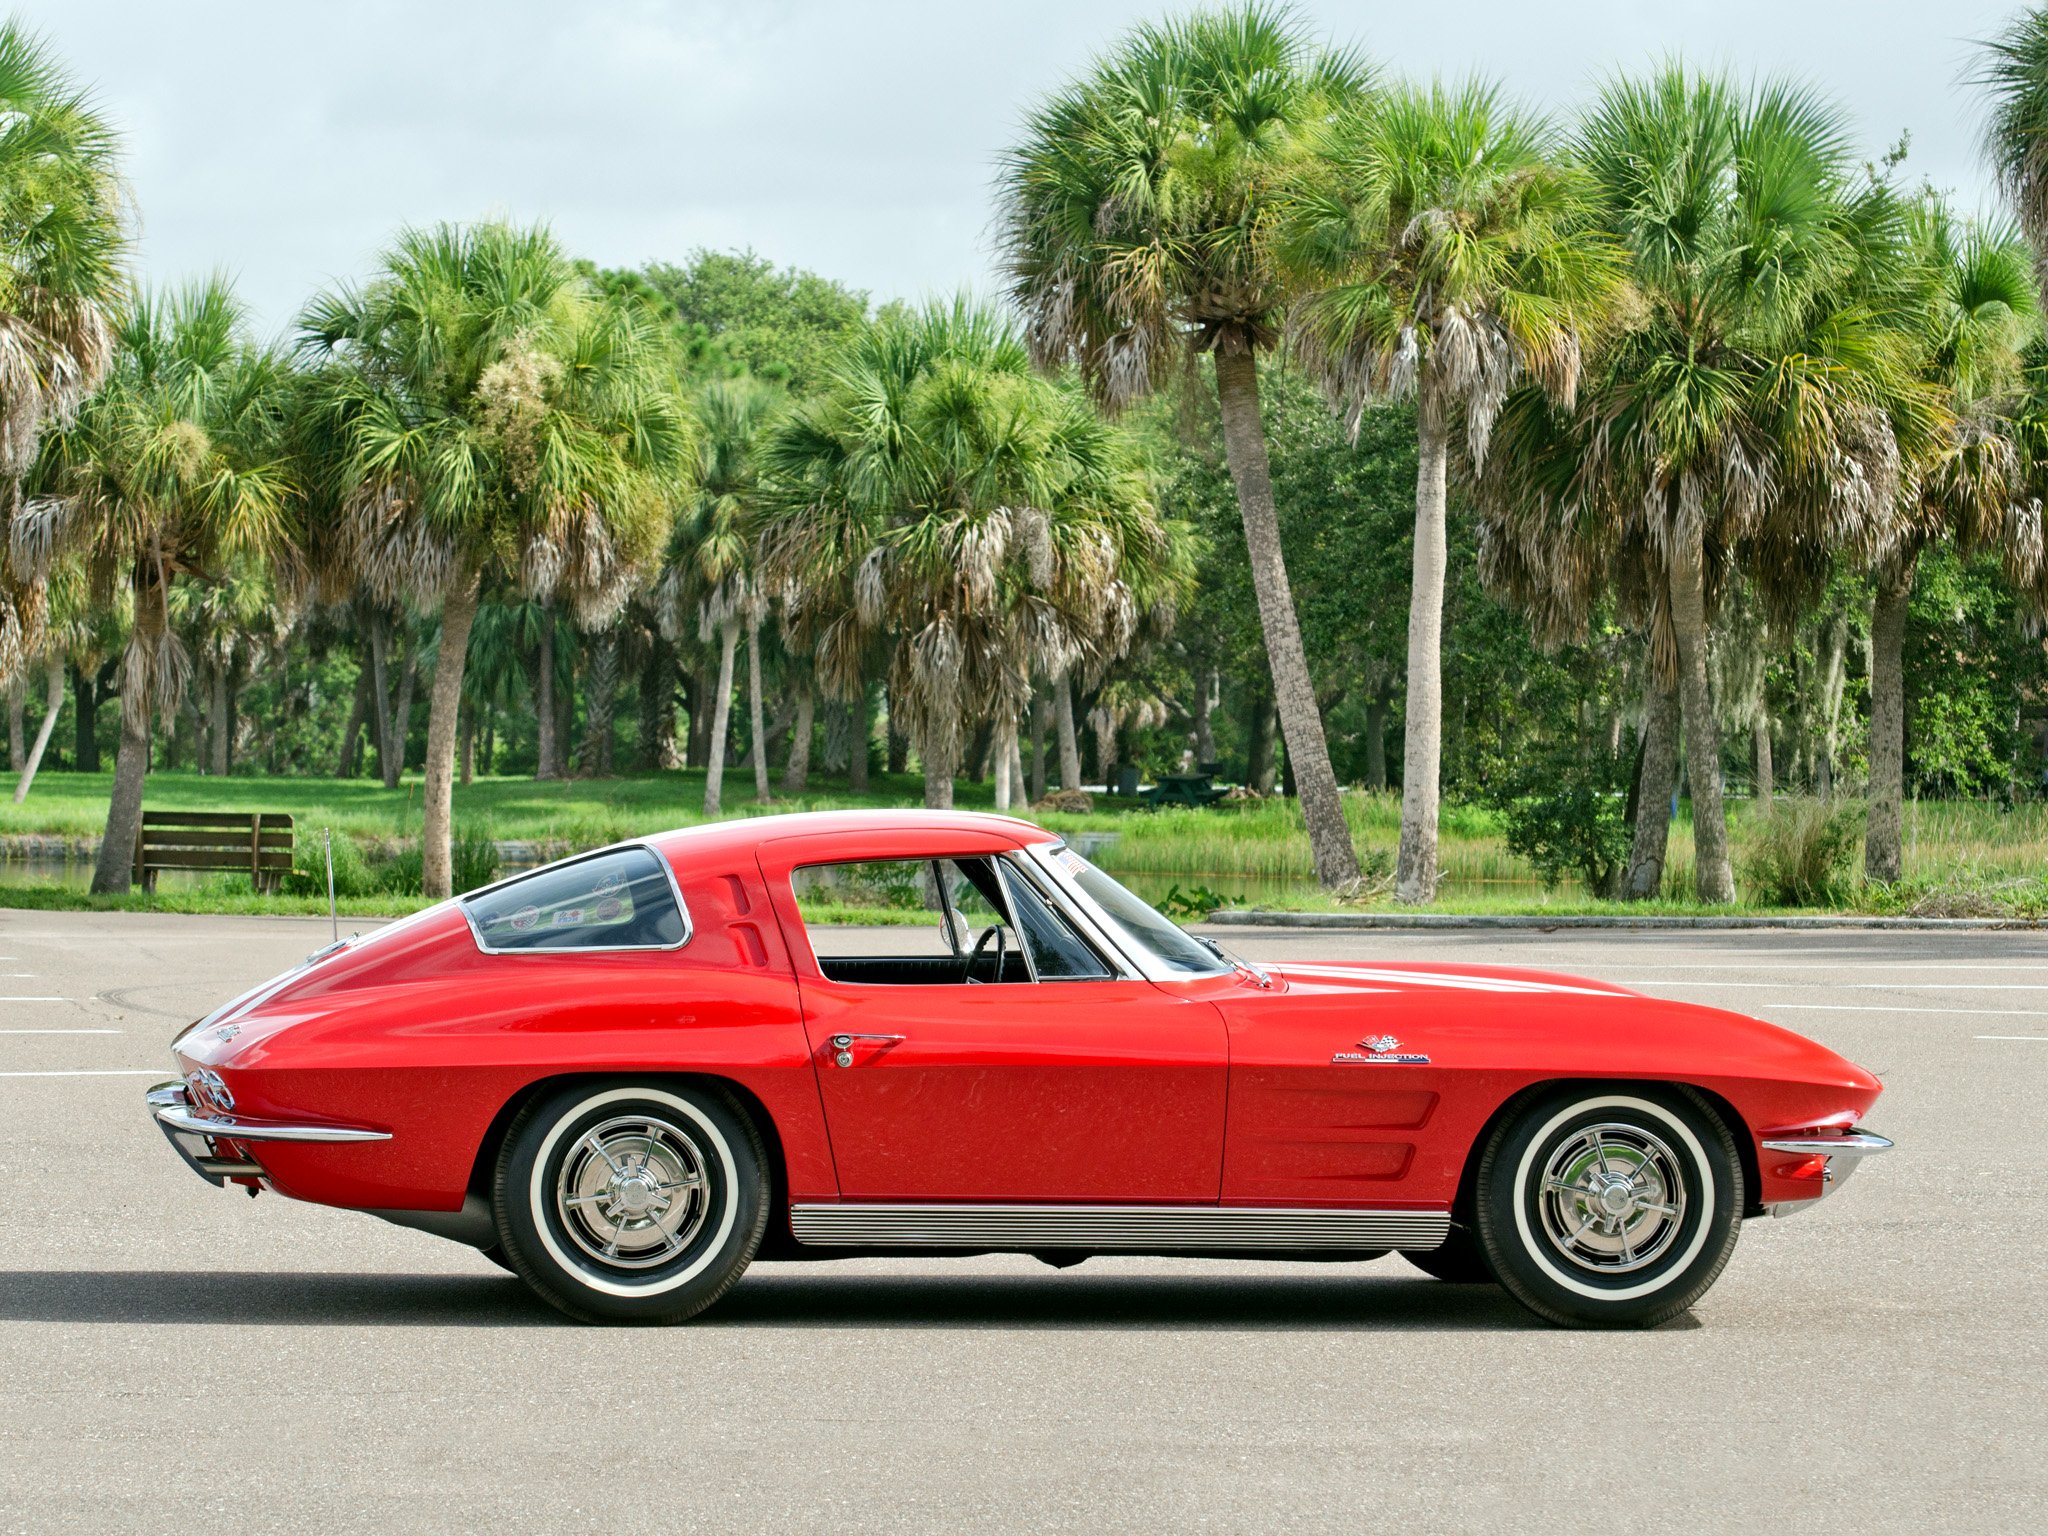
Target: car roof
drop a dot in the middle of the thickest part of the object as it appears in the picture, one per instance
(722, 838)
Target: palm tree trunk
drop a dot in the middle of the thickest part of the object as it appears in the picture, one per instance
(437, 798)
(757, 730)
(1655, 782)
(1006, 762)
(1423, 735)
(1259, 767)
(598, 707)
(861, 737)
(721, 720)
(1376, 740)
(1244, 443)
(1063, 725)
(358, 710)
(114, 870)
(796, 772)
(548, 761)
(217, 726)
(1041, 722)
(53, 703)
(17, 724)
(1882, 855)
(937, 758)
(380, 683)
(467, 753)
(1766, 775)
(1713, 879)
(401, 714)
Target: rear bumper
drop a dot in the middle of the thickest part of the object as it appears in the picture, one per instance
(1843, 1152)
(213, 1146)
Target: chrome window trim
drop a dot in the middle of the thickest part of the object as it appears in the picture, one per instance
(1016, 868)
(667, 869)
(1140, 958)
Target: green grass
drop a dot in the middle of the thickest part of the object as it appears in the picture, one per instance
(1962, 857)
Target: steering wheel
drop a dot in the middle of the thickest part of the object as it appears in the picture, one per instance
(992, 931)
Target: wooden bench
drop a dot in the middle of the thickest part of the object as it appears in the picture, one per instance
(253, 843)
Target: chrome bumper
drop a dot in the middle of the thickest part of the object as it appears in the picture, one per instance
(196, 1137)
(1844, 1151)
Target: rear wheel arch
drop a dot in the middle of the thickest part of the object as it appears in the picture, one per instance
(483, 1170)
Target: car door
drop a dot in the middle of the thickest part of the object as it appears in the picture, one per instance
(1093, 1085)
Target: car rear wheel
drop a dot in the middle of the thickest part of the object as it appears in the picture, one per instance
(631, 1202)
(1612, 1208)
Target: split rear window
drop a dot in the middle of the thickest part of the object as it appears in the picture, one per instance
(622, 899)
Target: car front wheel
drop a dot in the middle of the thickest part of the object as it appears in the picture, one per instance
(631, 1202)
(1611, 1208)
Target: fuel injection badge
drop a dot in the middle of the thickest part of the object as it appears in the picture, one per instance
(1377, 1050)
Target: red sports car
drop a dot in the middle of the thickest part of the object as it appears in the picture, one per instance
(627, 1075)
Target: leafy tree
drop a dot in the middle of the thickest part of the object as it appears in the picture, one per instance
(979, 521)
(1448, 248)
(710, 584)
(63, 236)
(488, 418)
(1975, 316)
(735, 310)
(1750, 414)
(1139, 217)
(175, 468)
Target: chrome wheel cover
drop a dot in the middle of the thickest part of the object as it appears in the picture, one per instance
(1612, 1198)
(631, 1192)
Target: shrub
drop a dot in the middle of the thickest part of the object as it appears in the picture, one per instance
(1799, 852)
(352, 873)
(1195, 902)
(474, 856)
(1567, 817)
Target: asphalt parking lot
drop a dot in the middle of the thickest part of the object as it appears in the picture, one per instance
(177, 1357)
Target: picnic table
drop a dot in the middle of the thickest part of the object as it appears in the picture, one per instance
(1191, 789)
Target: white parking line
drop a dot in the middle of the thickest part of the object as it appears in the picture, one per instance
(59, 1031)
(115, 1072)
(1974, 1013)
(2011, 1037)
(34, 999)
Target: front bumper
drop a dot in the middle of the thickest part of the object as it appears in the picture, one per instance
(213, 1145)
(1843, 1150)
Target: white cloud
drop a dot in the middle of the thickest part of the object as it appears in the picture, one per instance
(285, 142)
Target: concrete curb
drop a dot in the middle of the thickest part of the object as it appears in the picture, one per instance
(1453, 920)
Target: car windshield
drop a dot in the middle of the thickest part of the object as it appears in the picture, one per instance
(1152, 932)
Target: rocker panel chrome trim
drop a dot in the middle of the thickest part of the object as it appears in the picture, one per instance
(1106, 1227)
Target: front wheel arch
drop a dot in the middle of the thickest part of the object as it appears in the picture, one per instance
(1462, 1206)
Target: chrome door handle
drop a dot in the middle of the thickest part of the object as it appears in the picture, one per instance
(842, 1046)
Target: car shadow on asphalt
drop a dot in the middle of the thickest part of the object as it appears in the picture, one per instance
(782, 1298)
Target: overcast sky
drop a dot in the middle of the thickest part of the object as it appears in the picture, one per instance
(284, 140)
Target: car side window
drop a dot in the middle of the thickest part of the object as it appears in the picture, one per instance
(622, 899)
(1057, 952)
(909, 922)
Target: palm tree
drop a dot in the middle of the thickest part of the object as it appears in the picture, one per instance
(945, 502)
(2013, 72)
(710, 583)
(1139, 219)
(63, 236)
(490, 420)
(1977, 316)
(175, 468)
(1447, 249)
(1749, 415)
